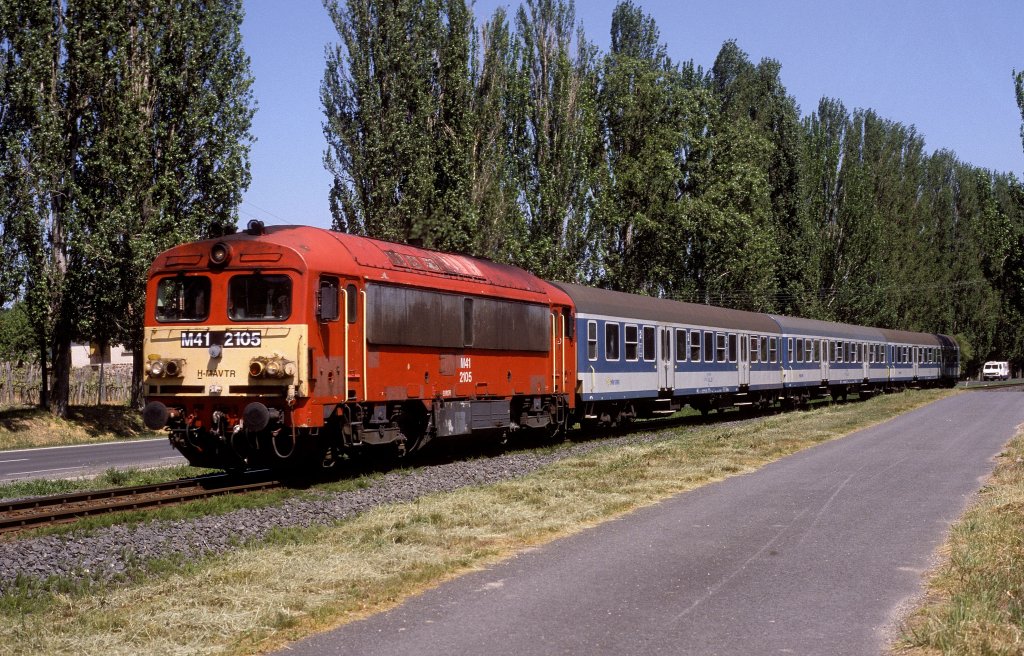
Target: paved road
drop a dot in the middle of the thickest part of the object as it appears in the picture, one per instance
(814, 554)
(86, 460)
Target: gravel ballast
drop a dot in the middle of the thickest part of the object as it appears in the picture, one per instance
(108, 553)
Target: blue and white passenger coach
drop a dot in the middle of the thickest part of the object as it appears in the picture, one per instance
(639, 356)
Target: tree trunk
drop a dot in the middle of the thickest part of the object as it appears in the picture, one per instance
(137, 398)
(44, 374)
(61, 370)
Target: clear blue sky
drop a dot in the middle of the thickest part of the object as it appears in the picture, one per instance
(943, 66)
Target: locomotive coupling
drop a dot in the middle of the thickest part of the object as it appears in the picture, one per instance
(156, 415)
(257, 416)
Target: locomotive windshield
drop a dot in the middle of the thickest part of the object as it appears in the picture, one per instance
(183, 298)
(259, 297)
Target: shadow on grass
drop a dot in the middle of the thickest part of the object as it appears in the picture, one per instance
(117, 420)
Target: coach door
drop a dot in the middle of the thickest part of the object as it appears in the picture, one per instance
(666, 369)
(744, 360)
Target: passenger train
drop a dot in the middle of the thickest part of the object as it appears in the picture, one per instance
(293, 346)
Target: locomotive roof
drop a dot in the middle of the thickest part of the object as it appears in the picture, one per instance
(590, 300)
(832, 329)
(329, 251)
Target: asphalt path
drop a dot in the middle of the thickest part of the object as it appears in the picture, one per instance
(86, 459)
(818, 553)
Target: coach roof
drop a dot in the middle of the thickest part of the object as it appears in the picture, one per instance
(814, 327)
(604, 302)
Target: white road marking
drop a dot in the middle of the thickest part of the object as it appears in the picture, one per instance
(40, 471)
(17, 460)
(85, 446)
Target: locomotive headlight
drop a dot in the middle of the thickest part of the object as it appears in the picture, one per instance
(156, 368)
(256, 367)
(174, 368)
(220, 253)
(289, 369)
(274, 368)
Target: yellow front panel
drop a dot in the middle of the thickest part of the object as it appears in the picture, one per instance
(228, 374)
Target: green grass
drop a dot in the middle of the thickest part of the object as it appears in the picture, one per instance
(975, 601)
(302, 581)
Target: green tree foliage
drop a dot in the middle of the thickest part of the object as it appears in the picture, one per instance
(630, 171)
(17, 339)
(494, 197)
(557, 149)
(1018, 85)
(397, 100)
(125, 131)
(644, 103)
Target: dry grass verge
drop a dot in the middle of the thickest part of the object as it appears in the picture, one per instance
(975, 602)
(305, 581)
(24, 428)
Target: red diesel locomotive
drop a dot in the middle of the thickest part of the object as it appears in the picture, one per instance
(288, 345)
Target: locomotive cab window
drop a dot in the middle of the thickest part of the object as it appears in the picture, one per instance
(259, 297)
(183, 298)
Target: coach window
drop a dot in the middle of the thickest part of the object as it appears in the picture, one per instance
(259, 297)
(694, 346)
(591, 340)
(799, 351)
(632, 336)
(611, 341)
(773, 349)
(721, 350)
(790, 350)
(764, 349)
(681, 345)
(709, 346)
(649, 343)
(755, 352)
(183, 298)
(732, 347)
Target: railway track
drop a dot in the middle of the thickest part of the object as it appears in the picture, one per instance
(36, 512)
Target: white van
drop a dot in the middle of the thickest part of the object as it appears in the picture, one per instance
(996, 371)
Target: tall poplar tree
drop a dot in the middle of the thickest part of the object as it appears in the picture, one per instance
(645, 111)
(557, 146)
(125, 131)
(397, 99)
(499, 231)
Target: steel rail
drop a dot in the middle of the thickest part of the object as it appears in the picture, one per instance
(36, 512)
